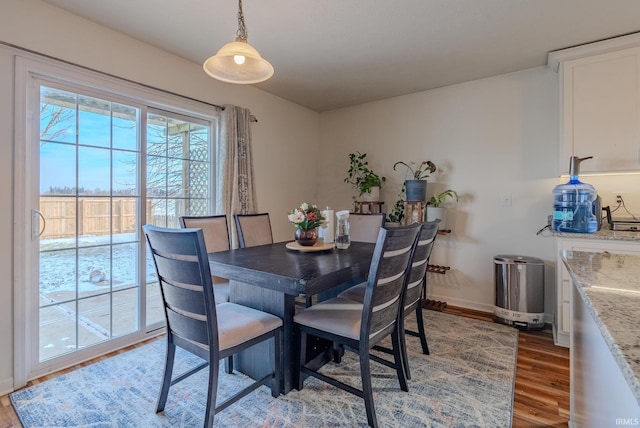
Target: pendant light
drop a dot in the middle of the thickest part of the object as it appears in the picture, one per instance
(238, 62)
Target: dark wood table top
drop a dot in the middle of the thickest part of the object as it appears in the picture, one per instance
(292, 272)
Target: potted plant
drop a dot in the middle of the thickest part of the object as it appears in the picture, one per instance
(363, 178)
(435, 210)
(416, 188)
(394, 218)
(306, 219)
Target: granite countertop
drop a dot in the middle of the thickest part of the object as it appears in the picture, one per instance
(604, 233)
(610, 287)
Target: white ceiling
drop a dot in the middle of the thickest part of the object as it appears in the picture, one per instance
(335, 53)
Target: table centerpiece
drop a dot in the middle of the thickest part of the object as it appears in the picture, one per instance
(306, 219)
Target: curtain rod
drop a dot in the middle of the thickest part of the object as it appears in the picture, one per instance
(108, 74)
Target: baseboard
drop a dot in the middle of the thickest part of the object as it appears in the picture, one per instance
(6, 386)
(561, 339)
(481, 307)
(461, 303)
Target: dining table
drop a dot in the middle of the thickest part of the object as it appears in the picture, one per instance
(271, 278)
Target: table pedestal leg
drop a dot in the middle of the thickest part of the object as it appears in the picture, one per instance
(257, 361)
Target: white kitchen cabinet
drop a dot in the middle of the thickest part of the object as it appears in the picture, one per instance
(600, 111)
(562, 324)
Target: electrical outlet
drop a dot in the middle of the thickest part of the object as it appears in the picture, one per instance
(506, 200)
(619, 198)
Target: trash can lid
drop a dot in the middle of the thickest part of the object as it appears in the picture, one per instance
(507, 259)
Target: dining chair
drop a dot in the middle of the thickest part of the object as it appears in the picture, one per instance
(196, 324)
(416, 281)
(360, 326)
(216, 238)
(253, 229)
(362, 228)
(365, 227)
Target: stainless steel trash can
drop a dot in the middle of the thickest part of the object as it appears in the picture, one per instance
(519, 282)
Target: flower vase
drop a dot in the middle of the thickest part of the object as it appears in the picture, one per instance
(307, 238)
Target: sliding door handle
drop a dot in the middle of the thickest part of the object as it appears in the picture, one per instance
(36, 216)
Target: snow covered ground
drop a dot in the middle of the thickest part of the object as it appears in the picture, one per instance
(99, 263)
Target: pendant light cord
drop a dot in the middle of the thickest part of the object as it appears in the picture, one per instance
(242, 30)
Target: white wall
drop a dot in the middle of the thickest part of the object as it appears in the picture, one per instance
(285, 137)
(490, 137)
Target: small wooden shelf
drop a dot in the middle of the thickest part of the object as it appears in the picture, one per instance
(373, 207)
(414, 211)
(438, 269)
(434, 305)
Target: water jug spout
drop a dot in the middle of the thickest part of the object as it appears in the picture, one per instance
(574, 165)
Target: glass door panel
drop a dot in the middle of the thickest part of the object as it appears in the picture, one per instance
(89, 249)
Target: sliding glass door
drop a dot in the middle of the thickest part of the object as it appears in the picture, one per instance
(105, 166)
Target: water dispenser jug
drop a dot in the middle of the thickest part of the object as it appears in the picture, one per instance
(573, 203)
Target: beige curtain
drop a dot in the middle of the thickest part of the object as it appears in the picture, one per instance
(235, 187)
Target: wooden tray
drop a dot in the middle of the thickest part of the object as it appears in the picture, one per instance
(319, 246)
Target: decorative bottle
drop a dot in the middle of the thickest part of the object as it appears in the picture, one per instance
(342, 230)
(326, 230)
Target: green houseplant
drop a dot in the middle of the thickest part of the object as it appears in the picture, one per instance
(435, 210)
(362, 177)
(440, 198)
(397, 211)
(416, 188)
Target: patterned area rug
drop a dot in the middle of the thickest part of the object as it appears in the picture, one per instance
(466, 381)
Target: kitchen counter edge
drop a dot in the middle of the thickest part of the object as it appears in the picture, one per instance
(603, 234)
(609, 284)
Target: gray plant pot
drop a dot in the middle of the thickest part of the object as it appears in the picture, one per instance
(416, 190)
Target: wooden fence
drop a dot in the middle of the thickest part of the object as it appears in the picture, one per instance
(95, 216)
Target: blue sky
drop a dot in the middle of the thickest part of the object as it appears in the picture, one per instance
(58, 159)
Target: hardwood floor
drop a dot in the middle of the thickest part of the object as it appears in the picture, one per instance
(541, 397)
(541, 393)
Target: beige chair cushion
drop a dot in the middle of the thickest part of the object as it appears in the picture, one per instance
(337, 316)
(238, 324)
(216, 234)
(221, 291)
(365, 227)
(216, 238)
(256, 230)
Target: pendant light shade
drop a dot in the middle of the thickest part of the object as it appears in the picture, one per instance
(238, 62)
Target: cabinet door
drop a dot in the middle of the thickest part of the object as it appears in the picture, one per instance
(602, 112)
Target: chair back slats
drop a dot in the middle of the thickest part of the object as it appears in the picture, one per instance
(253, 229)
(420, 262)
(214, 228)
(365, 227)
(185, 283)
(189, 328)
(180, 299)
(387, 279)
(179, 272)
